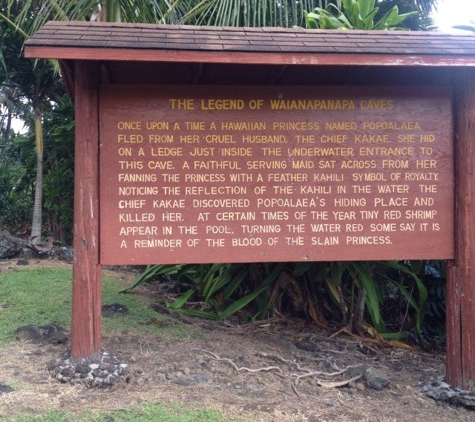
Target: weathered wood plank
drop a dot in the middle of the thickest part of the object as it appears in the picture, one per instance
(461, 274)
(256, 57)
(454, 334)
(87, 272)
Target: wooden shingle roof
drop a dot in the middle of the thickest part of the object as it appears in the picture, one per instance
(145, 42)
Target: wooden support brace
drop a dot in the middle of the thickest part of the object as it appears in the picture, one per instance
(461, 272)
(87, 271)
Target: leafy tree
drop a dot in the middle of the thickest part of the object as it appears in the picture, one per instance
(283, 13)
(58, 204)
(198, 12)
(35, 83)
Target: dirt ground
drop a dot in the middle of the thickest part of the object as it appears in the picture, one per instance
(275, 370)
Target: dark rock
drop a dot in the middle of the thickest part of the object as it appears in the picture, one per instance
(184, 381)
(5, 389)
(438, 389)
(28, 253)
(28, 333)
(53, 334)
(107, 358)
(23, 262)
(114, 380)
(45, 334)
(9, 245)
(114, 308)
(466, 399)
(203, 377)
(376, 379)
(88, 372)
(83, 368)
(68, 372)
(65, 253)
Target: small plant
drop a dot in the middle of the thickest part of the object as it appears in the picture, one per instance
(355, 14)
(353, 295)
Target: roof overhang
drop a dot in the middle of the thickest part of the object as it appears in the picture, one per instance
(228, 45)
(130, 52)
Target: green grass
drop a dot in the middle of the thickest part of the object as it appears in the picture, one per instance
(142, 413)
(42, 296)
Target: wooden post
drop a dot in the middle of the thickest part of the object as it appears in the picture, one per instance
(87, 271)
(461, 272)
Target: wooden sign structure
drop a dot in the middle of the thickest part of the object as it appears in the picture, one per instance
(262, 174)
(267, 144)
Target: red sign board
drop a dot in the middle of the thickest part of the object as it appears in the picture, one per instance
(199, 174)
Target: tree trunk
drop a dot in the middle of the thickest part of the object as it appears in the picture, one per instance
(112, 11)
(37, 208)
(8, 126)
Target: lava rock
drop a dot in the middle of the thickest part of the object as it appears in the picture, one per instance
(376, 379)
(184, 381)
(438, 389)
(5, 388)
(23, 262)
(65, 253)
(9, 246)
(203, 377)
(51, 365)
(68, 372)
(44, 334)
(89, 373)
(114, 308)
(83, 368)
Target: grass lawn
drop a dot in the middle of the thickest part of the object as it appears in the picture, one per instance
(42, 296)
(143, 413)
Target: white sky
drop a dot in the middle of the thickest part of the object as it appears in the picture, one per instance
(455, 12)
